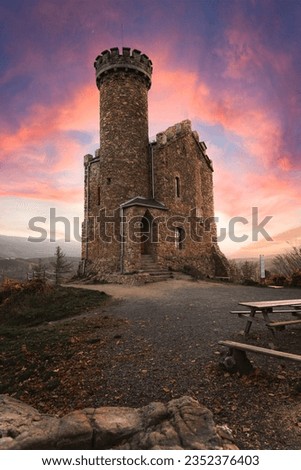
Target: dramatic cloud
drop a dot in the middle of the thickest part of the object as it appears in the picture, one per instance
(235, 72)
(43, 157)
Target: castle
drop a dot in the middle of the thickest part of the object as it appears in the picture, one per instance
(145, 202)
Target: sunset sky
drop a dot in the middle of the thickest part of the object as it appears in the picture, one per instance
(232, 67)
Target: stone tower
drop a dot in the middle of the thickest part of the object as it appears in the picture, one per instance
(123, 81)
(123, 168)
(146, 203)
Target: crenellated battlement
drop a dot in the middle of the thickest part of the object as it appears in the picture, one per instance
(129, 60)
(179, 130)
(173, 132)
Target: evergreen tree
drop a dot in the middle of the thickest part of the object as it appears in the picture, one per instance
(61, 265)
(249, 271)
(39, 272)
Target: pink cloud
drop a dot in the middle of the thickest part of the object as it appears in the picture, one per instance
(262, 175)
(246, 54)
(259, 130)
(176, 94)
(181, 94)
(263, 77)
(27, 167)
(171, 97)
(285, 164)
(237, 192)
(43, 191)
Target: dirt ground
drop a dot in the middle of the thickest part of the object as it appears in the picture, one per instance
(170, 348)
(157, 342)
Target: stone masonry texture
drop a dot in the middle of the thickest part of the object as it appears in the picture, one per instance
(145, 198)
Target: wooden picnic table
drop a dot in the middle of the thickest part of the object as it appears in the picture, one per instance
(261, 311)
(265, 308)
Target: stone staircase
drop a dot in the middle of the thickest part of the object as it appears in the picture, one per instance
(156, 273)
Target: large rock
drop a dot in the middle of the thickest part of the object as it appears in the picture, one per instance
(182, 423)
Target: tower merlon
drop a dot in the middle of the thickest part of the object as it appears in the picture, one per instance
(173, 132)
(110, 61)
(87, 159)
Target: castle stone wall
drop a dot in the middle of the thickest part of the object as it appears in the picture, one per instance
(131, 183)
(183, 180)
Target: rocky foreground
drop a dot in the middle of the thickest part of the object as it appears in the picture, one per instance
(182, 423)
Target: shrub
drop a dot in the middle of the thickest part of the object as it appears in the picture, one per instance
(277, 280)
(296, 279)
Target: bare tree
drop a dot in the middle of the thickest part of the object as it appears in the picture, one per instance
(288, 263)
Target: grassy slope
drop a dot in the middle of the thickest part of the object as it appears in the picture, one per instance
(41, 359)
(31, 303)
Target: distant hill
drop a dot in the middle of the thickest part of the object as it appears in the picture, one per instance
(19, 268)
(20, 247)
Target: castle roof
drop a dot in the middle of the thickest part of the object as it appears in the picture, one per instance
(144, 202)
(131, 61)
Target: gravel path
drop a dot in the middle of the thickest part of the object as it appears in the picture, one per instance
(190, 317)
(169, 349)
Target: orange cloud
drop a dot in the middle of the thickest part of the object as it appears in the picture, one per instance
(41, 159)
(261, 175)
(43, 192)
(236, 193)
(178, 94)
(285, 164)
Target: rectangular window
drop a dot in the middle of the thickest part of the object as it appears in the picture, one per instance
(98, 196)
(179, 238)
(177, 186)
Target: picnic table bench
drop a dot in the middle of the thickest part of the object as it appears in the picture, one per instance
(237, 359)
(265, 309)
(260, 312)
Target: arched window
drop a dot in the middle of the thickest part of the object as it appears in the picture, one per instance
(179, 238)
(146, 230)
(177, 186)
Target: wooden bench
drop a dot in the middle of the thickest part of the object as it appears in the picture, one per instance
(281, 324)
(242, 312)
(259, 315)
(292, 311)
(258, 349)
(237, 360)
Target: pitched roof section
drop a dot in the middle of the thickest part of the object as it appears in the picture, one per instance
(142, 201)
